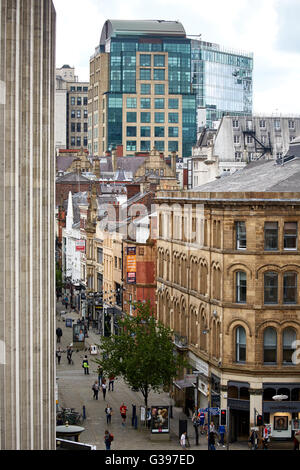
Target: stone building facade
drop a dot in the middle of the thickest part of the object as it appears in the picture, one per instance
(27, 299)
(227, 285)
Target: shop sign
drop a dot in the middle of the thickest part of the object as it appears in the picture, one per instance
(80, 245)
(289, 407)
(198, 364)
(131, 265)
(190, 378)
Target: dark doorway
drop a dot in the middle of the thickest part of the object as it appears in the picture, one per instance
(239, 425)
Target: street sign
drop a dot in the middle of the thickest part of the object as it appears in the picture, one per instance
(213, 410)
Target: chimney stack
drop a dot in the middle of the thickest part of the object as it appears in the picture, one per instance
(173, 162)
(114, 160)
(96, 162)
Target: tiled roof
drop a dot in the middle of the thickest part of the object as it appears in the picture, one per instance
(264, 175)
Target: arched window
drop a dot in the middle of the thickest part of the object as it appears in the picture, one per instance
(194, 327)
(240, 344)
(203, 332)
(271, 288)
(288, 338)
(241, 287)
(203, 279)
(290, 288)
(270, 346)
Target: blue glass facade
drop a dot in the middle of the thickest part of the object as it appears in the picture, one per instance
(222, 80)
(123, 79)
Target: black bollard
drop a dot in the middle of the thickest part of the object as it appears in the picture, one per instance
(83, 412)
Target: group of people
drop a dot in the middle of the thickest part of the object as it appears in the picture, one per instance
(213, 435)
(108, 436)
(69, 354)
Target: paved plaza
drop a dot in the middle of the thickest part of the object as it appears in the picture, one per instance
(75, 391)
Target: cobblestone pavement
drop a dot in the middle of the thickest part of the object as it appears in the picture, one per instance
(75, 391)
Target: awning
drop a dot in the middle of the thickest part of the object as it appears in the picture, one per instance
(181, 384)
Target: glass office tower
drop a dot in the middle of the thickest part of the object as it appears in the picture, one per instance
(149, 101)
(222, 80)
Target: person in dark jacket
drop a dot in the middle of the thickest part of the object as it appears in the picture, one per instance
(211, 441)
(58, 334)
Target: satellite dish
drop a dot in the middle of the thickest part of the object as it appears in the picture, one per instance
(280, 397)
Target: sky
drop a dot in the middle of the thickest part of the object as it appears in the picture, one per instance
(268, 28)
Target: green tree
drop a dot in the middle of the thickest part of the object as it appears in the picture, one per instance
(59, 281)
(142, 353)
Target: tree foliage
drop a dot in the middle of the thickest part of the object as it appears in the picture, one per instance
(142, 353)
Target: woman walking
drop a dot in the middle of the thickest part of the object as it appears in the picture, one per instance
(104, 386)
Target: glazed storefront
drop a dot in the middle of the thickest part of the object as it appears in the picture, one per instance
(283, 415)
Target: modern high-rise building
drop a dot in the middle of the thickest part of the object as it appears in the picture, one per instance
(140, 89)
(222, 81)
(27, 255)
(71, 115)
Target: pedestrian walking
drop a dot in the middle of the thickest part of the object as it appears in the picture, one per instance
(201, 416)
(66, 302)
(58, 355)
(253, 440)
(296, 440)
(211, 441)
(100, 375)
(69, 354)
(111, 381)
(85, 365)
(95, 389)
(221, 434)
(108, 438)
(212, 427)
(108, 411)
(104, 387)
(183, 440)
(195, 421)
(58, 334)
(123, 411)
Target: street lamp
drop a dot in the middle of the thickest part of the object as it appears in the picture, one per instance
(279, 397)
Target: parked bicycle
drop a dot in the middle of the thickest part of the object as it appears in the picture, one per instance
(68, 415)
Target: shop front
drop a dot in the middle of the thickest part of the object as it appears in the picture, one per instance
(281, 409)
(238, 401)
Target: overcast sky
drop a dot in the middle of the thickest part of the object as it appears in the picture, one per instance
(268, 28)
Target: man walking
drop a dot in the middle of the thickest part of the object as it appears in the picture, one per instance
(108, 438)
(108, 412)
(100, 375)
(85, 365)
(111, 383)
(69, 354)
(222, 434)
(58, 334)
(95, 389)
(58, 355)
(195, 421)
(211, 441)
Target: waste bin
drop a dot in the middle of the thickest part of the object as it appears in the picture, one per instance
(182, 426)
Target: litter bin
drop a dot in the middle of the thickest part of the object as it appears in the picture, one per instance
(182, 426)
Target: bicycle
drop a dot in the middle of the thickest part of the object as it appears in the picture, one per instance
(69, 415)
